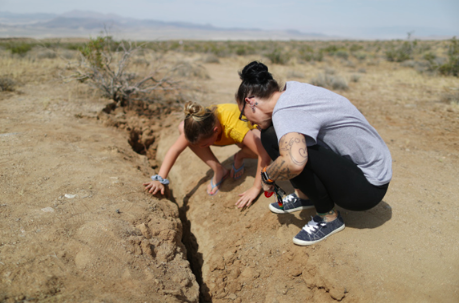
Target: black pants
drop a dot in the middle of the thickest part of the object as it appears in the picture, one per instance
(329, 178)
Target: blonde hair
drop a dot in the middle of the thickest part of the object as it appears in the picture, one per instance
(199, 122)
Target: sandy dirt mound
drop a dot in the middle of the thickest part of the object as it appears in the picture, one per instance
(75, 223)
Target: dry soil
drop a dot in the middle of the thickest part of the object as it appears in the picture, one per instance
(76, 225)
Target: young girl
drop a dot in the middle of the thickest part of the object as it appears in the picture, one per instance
(219, 126)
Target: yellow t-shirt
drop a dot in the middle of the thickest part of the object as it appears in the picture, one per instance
(233, 129)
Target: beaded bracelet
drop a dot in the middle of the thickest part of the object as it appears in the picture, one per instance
(158, 178)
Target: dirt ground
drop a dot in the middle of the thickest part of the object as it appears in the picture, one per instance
(76, 225)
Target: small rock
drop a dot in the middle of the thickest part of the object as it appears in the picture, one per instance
(47, 209)
(70, 195)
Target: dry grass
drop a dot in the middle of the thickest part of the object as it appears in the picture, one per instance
(363, 69)
(26, 69)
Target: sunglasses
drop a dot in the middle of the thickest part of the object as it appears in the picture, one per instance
(242, 117)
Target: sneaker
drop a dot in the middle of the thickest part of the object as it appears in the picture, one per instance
(317, 230)
(292, 203)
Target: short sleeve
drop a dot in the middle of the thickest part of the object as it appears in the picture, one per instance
(289, 120)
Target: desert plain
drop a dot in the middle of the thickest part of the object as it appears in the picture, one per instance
(77, 226)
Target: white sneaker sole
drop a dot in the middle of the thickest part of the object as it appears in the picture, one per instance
(279, 211)
(306, 243)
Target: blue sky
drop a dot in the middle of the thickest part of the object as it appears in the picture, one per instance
(332, 17)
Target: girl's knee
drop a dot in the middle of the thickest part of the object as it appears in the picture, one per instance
(256, 132)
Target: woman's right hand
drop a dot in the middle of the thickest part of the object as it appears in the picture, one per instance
(154, 186)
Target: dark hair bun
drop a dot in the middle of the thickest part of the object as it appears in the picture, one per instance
(255, 73)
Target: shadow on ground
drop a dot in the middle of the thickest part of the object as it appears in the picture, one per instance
(369, 219)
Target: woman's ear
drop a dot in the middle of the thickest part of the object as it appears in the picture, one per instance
(249, 101)
(215, 129)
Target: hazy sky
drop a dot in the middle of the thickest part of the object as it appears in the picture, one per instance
(326, 16)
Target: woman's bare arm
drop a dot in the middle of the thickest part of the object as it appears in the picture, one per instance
(293, 157)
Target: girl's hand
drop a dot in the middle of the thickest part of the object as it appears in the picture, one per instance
(154, 186)
(248, 197)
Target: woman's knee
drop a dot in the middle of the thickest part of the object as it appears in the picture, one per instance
(256, 132)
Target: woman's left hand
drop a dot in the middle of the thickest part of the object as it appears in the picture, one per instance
(248, 197)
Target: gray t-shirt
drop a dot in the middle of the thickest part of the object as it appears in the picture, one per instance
(331, 120)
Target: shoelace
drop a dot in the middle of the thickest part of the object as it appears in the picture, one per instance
(312, 226)
(290, 198)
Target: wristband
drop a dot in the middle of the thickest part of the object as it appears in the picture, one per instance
(265, 177)
(158, 178)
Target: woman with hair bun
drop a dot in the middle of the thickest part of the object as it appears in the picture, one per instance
(219, 126)
(319, 141)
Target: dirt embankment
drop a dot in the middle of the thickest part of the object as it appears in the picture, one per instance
(75, 223)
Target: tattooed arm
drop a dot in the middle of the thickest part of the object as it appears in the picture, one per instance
(293, 157)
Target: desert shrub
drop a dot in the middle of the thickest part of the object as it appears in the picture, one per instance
(360, 56)
(72, 46)
(20, 48)
(278, 56)
(319, 56)
(188, 70)
(295, 74)
(105, 66)
(423, 47)
(68, 54)
(242, 50)
(209, 47)
(7, 84)
(430, 63)
(93, 50)
(373, 62)
(329, 71)
(211, 58)
(342, 54)
(430, 56)
(425, 66)
(330, 81)
(335, 51)
(409, 63)
(451, 67)
(348, 63)
(355, 78)
(307, 53)
(355, 48)
(330, 50)
(403, 51)
(399, 54)
(46, 54)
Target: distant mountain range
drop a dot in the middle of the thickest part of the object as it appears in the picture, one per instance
(86, 23)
